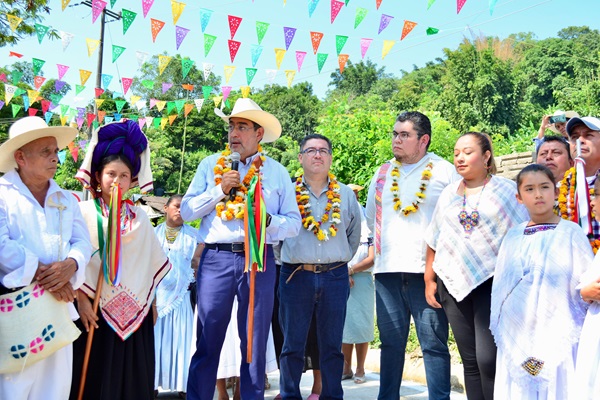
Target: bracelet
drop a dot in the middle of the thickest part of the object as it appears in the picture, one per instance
(351, 270)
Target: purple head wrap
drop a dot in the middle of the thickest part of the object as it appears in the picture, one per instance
(124, 138)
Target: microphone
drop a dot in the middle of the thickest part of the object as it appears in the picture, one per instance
(235, 165)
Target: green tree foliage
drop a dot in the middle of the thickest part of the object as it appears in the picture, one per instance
(357, 79)
(31, 11)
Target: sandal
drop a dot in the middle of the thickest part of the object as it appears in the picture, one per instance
(360, 379)
(347, 376)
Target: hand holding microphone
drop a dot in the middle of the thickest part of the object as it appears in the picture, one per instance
(231, 179)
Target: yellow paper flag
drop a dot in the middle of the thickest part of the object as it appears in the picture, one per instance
(160, 105)
(163, 122)
(229, 70)
(279, 53)
(92, 45)
(84, 76)
(134, 99)
(245, 91)
(63, 120)
(187, 108)
(177, 8)
(172, 118)
(13, 21)
(387, 46)
(33, 95)
(217, 100)
(163, 61)
(65, 3)
(289, 75)
(99, 103)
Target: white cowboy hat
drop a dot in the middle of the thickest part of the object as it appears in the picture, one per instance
(248, 109)
(568, 115)
(26, 130)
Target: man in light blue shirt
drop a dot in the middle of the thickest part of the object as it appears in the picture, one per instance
(217, 194)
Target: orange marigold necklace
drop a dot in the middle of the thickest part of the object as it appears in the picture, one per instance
(420, 195)
(234, 207)
(333, 207)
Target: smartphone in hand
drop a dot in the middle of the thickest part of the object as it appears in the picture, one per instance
(557, 118)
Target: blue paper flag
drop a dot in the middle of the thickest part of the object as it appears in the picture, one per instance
(255, 51)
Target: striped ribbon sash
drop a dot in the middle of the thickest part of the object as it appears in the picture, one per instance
(378, 208)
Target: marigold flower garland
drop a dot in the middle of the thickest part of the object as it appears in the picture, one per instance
(420, 195)
(333, 205)
(566, 202)
(230, 209)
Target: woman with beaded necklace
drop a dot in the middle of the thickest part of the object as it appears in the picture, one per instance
(173, 332)
(469, 222)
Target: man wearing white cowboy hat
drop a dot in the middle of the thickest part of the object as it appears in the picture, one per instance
(217, 194)
(43, 239)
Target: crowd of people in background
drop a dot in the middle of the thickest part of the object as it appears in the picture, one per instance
(96, 303)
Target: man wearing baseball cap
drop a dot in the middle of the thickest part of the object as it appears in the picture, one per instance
(218, 195)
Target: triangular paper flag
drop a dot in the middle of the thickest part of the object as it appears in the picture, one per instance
(140, 104)
(492, 6)
(41, 31)
(234, 24)
(321, 58)
(429, 3)
(75, 151)
(160, 104)
(156, 122)
(152, 103)
(234, 46)
(9, 92)
(62, 70)
(209, 40)
(361, 13)
(336, 6)
(163, 123)
(198, 103)
(176, 8)
(98, 91)
(342, 60)
(217, 100)
(255, 52)
(101, 115)
(279, 54)
(16, 76)
(312, 5)
(116, 52)
(250, 73)
(289, 75)
(204, 18)
(92, 45)
(187, 87)
(141, 57)
(25, 102)
(79, 89)
(459, 5)
(37, 65)
(186, 66)
(146, 6)
(3, 77)
(58, 85)
(62, 155)
(384, 22)
(408, 26)
(155, 25)
(364, 46)
(126, 82)
(271, 74)
(206, 91)
(64, 4)
(84, 76)
(15, 109)
(225, 90)
(134, 99)
(120, 104)
(142, 122)
(299, 59)
(106, 80)
(128, 17)
(261, 30)
(245, 91)
(315, 38)
(172, 118)
(33, 95)
(13, 21)
(340, 41)
(432, 31)
(14, 54)
(90, 117)
(377, 4)
(66, 39)
(387, 46)
(207, 69)
(79, 125)
(229, 70)
(112, 3)
(98, 102)
(45, 106)
(187, 108)
(180, 34)
(166, 86)
(97, 7)
(288, 34)
(33, 111)
(148, 84)
(163, 61)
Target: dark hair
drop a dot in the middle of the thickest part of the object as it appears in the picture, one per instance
(531, 168)
(314, 136)
(485, 143)
(173, 198)
(555, 138)
(420, 122)
(107, 160)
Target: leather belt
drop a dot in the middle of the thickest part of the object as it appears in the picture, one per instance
(231, 247)
(315, 268)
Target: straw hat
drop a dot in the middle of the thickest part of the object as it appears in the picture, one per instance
(568, 115)
(26, 130)
(355, 188)
(248, 109)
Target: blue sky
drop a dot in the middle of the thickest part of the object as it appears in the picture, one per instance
(542, 17)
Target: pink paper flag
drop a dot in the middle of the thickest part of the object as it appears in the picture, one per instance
(234, 46)
(364, 46)
(234, 24)
(62, 70)
(98, 91)
(336, 6)
(126, 82)
(79, 125)
(385, 21)
(166, 86)
(3, 77)
(152, 102)
(180, 34)
(459, 5)
(300, 58)
(45, 106)
(32, 111)
(90, 118)
(146, 6)
(141, 122)
(226, 90)
(38, 81)
(97, 7)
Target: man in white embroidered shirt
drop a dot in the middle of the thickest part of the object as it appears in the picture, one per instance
(43, 240)
(218, 194)
(402, 196)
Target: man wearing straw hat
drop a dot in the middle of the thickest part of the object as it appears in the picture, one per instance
(218, 195)
(43, 240)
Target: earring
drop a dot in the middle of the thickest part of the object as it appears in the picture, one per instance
(98, 188)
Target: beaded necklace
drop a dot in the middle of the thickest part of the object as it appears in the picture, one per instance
(470, 220)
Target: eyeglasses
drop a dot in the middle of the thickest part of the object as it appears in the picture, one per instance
(239, 127)
(311, 151)
(403, 135)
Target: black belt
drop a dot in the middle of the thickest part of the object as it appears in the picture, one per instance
(231, 247)
(4, 290)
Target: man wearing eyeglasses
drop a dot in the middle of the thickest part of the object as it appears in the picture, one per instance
(401, 200)
(218, 195)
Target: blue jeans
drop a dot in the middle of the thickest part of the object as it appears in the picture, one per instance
(326, 294)
(398, 296)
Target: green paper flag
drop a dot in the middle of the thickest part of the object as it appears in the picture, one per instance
(179, 104)
(64, 109)
(261, 30)
(128, 17)
(15, 109)
(120, 104)
(148, 84)
(41, 31)
(170, 106)
(430, 3)
(112, 3)
(56, 98)
(347, 1)
(186, 66)
(321, 60)
(206, 91)
(432, 31)
(116, 52)
(20, 91)
(340, 41)
(250, 73)
(134, 117)
(79, 89)
(209, 40)
(16, 76)
(95, 124)
(37, 65)
(156, 122)
(361, 13)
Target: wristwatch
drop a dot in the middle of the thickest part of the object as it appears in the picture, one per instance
(268, 219)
